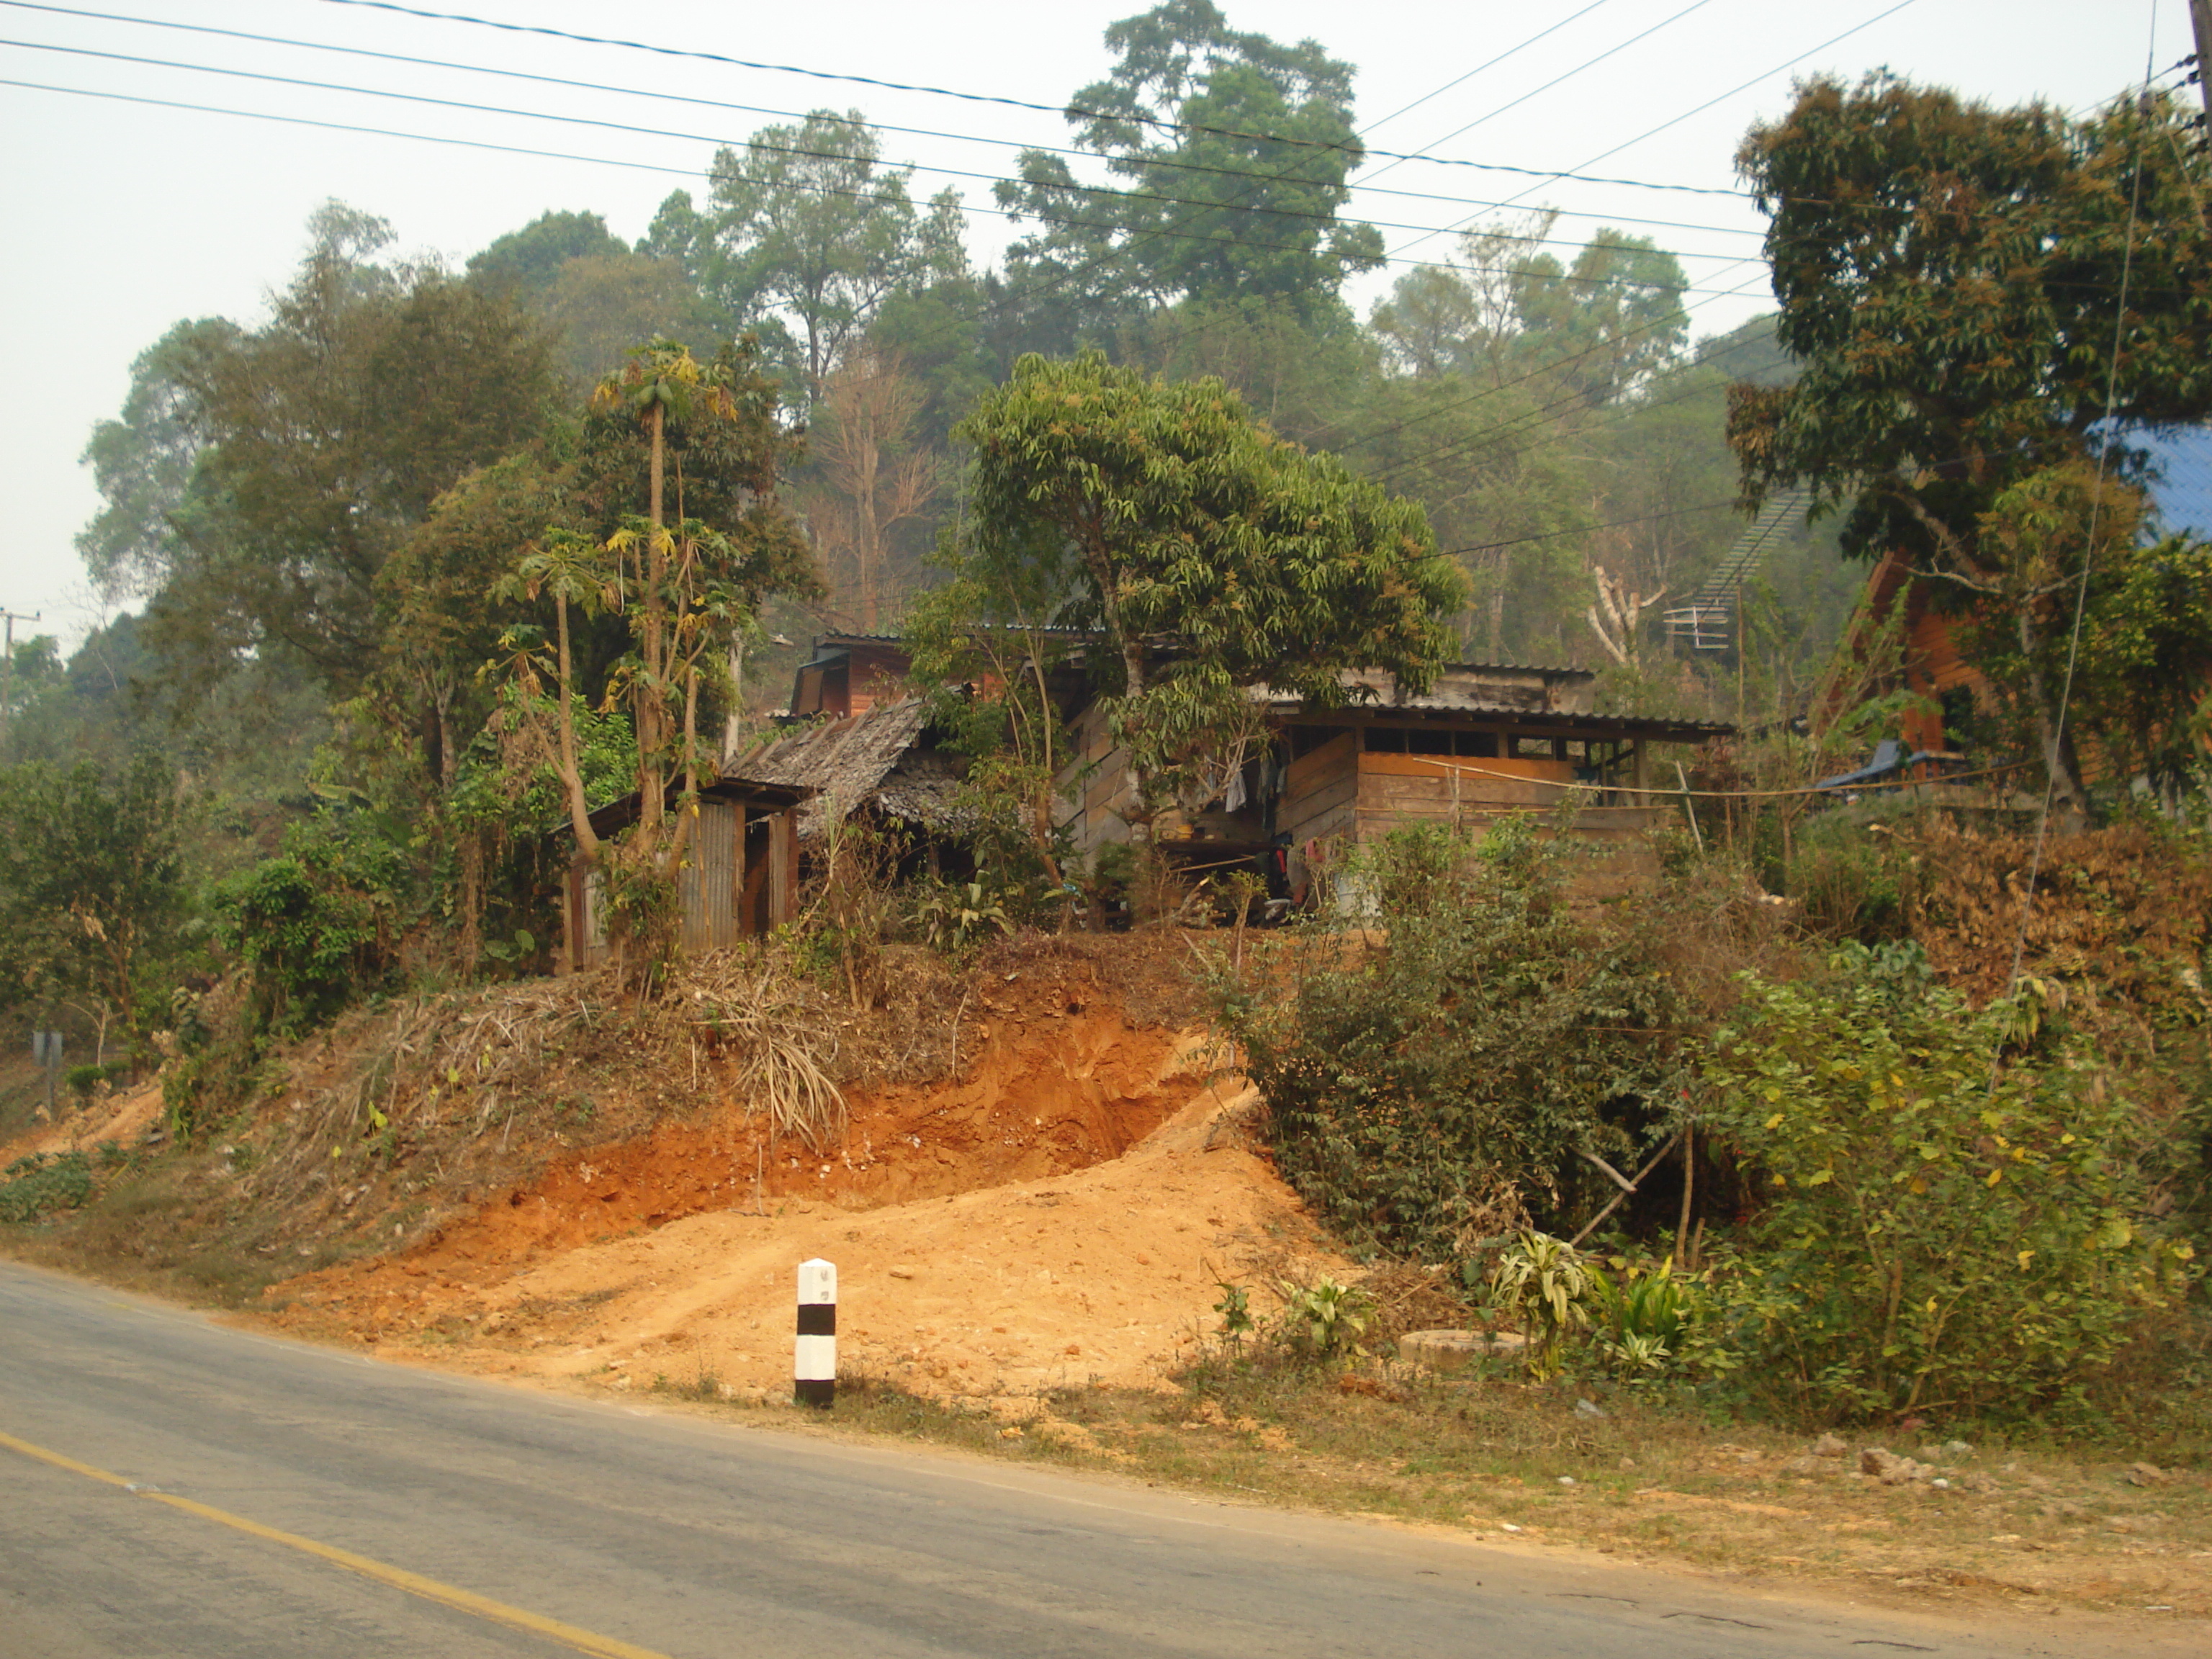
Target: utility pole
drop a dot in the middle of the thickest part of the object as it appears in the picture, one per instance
(8, 675)
(2200, 19)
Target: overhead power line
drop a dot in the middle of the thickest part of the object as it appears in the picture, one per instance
(654, 95)
(1589, 63)
(1075, 111)
(1101, 193)
(1460, 80)
(1654, 131)
(697, 172)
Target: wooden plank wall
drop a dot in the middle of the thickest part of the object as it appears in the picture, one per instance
(1320, 790)
(1395, 789)
(1096, 786)
(782, 868)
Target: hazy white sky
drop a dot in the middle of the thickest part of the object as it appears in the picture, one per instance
(123, 217)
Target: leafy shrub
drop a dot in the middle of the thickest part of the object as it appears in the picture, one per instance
(1643, 1320)
(1945, 1222)
(316, 926)
(1544, 1285)
(1850, 883)
(955, 916)
(1323, 1320)
(44, 1183)
(1430, 1092)
(82, 1080)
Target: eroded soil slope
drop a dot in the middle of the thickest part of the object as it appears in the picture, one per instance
(1056, 1212)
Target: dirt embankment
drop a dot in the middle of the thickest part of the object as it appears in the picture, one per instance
(1055, 1211)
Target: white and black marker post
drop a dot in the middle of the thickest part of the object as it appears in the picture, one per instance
(814, 1359)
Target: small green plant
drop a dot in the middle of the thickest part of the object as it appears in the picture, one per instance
(1325, 1319)
(512, 953)
(955, 916)
(577, 1111)
(1642, 1320)
(42, 1183)
(1546, 1284)
(84, 1081)
(1236, 1311)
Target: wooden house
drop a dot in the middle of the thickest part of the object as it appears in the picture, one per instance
(882, 764)
(849, 674)
(1483, 742)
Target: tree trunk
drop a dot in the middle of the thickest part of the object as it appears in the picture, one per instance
(2069, 796)
(651, 777)
(572, 777)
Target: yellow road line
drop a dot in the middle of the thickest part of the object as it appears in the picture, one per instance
(430, 1589)
(59, 1461)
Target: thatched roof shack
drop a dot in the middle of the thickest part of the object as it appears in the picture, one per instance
(882, 764)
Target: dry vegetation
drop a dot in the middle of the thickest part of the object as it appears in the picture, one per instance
(364, 1165)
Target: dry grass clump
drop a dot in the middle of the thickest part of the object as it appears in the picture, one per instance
(1411, 1297)
(441, 1069)
(781, 1042)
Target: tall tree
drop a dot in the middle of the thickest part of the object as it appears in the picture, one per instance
(1951, 278)
(525, 264)
(869, 476)
(1210, 555)
(91, 881)
(808, 226)
(143, 462)
(328, 433)
(1231, 153)
(1604, 326)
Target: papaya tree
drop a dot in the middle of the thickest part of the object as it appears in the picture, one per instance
(682, 588)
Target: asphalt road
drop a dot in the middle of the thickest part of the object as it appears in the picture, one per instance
(171, 1487)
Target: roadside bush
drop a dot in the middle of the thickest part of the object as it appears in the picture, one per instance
(42, 1183)
(1851, 880)
(83, 1081)
(1430, 1092)
(1946, 1222)
(317, 926)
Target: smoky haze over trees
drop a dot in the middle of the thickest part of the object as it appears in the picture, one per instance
(316, 518)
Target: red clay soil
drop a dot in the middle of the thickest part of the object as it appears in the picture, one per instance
(1073, 1088)
(1059, 1213)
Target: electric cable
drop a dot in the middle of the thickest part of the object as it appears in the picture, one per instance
(1686, 115)
(2057, 744)
(1070, 111)
(1407, 109)
(754, 146)
(655, 95)
(1592, 63)
(641, 167)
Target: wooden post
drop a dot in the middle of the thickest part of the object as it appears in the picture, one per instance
(1689, 1188)
(782, 867)
(742, 814)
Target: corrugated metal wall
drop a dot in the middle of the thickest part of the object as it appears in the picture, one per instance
(713, 880)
